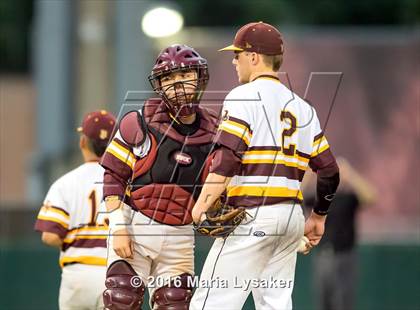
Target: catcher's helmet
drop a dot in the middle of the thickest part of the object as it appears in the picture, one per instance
(175, 58)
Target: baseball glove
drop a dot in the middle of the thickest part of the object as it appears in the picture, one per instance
(220, 220)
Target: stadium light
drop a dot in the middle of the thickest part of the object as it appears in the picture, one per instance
(161, 22)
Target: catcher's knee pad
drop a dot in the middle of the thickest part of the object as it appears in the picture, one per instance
(176, 296)
(123, 291)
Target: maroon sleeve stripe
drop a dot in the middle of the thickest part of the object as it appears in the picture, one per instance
(122, 144)
(304, 155)
(52, 227)
(318, 136)
(240, 121)
(322, 160)
(232, 142)
(62, 210)
(116, 166)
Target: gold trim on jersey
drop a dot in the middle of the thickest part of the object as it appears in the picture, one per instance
(274, 161)
(263, 191)
(88, 260)
(319, 146)
(318, 141)
(122, 154)
(49, 209)
(100, 232)
(236, 129)
(277, 154)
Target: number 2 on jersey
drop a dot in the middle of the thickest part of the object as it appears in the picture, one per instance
(288, 132)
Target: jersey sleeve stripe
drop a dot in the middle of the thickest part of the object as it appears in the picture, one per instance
(321, 148)
(53, 219)
(304, 155)
(60, 209)
(239, 131)
(51, 210)
(322, 160)
(239, 122)
(122, 149)
(58, 215)
(121, 154)
(50, 226)
(319, 136)
(319, 141)
(231, 141)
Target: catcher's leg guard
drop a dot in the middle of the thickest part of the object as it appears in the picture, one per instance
(120, 293)
(176, 296)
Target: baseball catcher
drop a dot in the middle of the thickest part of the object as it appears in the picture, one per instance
(154, 169)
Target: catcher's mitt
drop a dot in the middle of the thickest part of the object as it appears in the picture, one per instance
(220, 220)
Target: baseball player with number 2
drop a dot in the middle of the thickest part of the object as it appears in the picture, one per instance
(266, 140)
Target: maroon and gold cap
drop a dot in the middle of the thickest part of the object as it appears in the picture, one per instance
(258, 37)
(98, 125)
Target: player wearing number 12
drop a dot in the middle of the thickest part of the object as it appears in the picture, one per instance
(267, 139)
(72, 219)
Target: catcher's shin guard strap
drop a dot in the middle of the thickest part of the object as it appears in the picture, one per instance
(122, 293)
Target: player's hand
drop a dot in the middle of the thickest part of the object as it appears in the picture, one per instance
(123, 244)
(314, 228)
(197, 214)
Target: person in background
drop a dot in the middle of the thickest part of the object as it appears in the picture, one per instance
(335, 261)
(73, 219)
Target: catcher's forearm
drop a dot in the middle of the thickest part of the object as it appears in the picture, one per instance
(214, 186)
(116, 217)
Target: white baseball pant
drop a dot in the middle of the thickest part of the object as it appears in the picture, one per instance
(82, 287)
(260, 258)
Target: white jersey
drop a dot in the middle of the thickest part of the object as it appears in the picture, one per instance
(277, 135)
(73, 210)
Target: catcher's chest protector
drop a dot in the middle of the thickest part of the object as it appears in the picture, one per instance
(175, 163)
(166, 192)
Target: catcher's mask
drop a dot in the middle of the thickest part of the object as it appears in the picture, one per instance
(180, 96)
